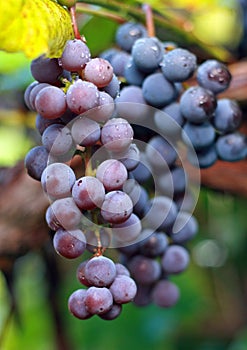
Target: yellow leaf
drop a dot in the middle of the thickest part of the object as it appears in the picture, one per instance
(34, 27)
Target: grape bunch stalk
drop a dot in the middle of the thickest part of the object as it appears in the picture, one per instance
(110, 163)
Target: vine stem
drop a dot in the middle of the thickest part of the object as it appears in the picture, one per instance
(149, 19)
(74, 22)
(81, 8)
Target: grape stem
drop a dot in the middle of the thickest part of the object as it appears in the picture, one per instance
(149, 19)
(74, 22)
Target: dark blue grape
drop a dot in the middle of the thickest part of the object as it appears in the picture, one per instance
(158, 91)
(178, 65)
(206, 157)
(36, 161)
(228, 116)
(200, 135)
(213, 75)
(128, 33)
(232, 147)
(197, 104)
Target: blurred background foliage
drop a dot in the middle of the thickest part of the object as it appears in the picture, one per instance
(212, 311)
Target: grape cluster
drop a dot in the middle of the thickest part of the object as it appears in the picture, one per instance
(110, 163)
(156, 72)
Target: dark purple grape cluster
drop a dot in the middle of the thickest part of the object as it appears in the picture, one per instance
(111, 162)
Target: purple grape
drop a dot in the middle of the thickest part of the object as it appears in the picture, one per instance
(27, 94)
(119, 61)
(105, 109)
(113, 313)
(113, 87)
(63, 213)
(228, 116)
(128, 33)
(69, 244)
(76, 304)
(117, 207)
(98, 300)
(165, 293)
(42, 123)
(57, 139)
(75, 55)
(154, 245)
(36, 161)
(117, 135)
(128, 231)
(100, 271)
(112, 174)
(130, 157)
(143, 295)
(50, 102)
(88, 193)
(160, 153)
(46, 70)
(184, 229)
(85, 132)
(122, 270)
(144, 270)
(99, 72)
(82, 96)
(34, 92)
(80, 274)
(123, 289)
(175, 259)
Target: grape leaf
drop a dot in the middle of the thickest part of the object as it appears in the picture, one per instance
(34, 27)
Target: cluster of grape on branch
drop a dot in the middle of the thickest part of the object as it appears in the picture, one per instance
(112, 164)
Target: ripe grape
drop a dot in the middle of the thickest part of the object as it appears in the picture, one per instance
(123, 289)
(88, 193)
(70, 244)
(85, 132)
(175, 259)
(112, 173)
(36, 161)
(98, 300)
(99, 72)
(76, 304)
(165, 293)
(100, 271)
(75, 55)
(117, 207)
(46, 70)
(128, 33)
(50, 102)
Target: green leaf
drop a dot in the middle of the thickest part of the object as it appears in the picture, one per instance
(34, 27)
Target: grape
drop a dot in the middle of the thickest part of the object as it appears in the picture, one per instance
(57, 180)
(113, 87)
(117, 135)
(184, 228)
(205, 157)
(200, 135)
(27, 94)
(117, 207)
(128, 33)
(46, 70)
(119, 61)
(172, 182)
(131, 105)
(175, 259)
(232, 147)
(63, 213)
(160, 153)
(147, 53)
(100, 271)
(50, 102)
(113, 313)
(123, 289)
(158, 91)
(33, 94)
(169, 119)
(57, 139)
(42, 123)
(162, 213)
(122, 270)
(112, 174)
(98, 300)
(213, 75)
(80, 274)
(144, 270)
(130, 157)
(82, 96)
(178, 65)
(88, 193)
(104, 111)
(75, 55)
(99, 72)
(142, 171)
(36, 161)
(154, 245)
(165, 293)
(85, 132)
(76, 304)
(228, 116)
(128, 231)
(132, 74)
(197, 104)
(69, 244)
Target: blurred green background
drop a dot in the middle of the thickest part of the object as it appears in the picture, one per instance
(212, 311)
